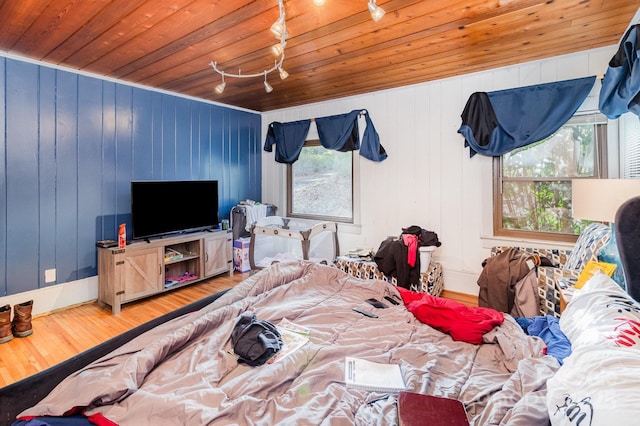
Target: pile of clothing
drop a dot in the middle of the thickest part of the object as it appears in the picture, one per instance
(508, 282)
(398, 256)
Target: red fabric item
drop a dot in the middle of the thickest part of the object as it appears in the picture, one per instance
(411, 241)
(96, 419)
(461, 322)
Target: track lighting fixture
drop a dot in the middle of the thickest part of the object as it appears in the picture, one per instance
(279, 29)
(267, 86)
(283, 73)
(220, 87)
(376, 11)
(278, 48)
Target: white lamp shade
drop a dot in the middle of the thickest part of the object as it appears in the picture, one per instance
(599, 199)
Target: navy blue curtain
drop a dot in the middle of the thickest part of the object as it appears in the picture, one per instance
(336, 132)
(288, 138)
(495, 123)
(620, 91)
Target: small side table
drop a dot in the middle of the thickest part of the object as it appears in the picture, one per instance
(431, 281)
(566, 288)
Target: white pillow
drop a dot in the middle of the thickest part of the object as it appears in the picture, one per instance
(601, 313)
(599, 383)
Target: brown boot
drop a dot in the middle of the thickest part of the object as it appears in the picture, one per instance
(22, 319)
(5, 324)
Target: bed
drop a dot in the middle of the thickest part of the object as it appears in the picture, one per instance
(183, 371)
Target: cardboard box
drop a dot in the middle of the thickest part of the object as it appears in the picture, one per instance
(241, 255)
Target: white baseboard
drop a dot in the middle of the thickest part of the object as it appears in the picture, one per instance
(461, 282)
(57, 296)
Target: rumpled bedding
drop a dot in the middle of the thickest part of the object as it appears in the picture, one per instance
(598, 383)
(182, 372)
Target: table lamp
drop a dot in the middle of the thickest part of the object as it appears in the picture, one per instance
(599, 200)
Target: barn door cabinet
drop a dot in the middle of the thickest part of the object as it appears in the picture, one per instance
(144, 268)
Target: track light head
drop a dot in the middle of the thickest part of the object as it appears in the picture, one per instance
(376, 11)
(220, 88)
(278, 48)
(267, 86)
(278, 28)
(283, 73)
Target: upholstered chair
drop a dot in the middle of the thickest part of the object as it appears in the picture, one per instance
(567, 264)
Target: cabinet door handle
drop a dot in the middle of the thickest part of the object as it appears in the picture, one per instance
(206, 257)
(159, 269)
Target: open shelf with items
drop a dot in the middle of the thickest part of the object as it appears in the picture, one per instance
(145, 268)
(182, 263)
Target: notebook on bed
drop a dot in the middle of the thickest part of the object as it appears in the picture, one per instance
(417, 409)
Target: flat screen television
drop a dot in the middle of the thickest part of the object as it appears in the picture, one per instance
(161, 208)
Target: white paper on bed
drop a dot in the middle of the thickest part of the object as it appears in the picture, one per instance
(599, 383)
(374, 376)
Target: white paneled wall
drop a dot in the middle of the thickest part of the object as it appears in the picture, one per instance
(428, 179)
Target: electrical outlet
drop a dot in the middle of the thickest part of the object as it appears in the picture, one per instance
(49, 275)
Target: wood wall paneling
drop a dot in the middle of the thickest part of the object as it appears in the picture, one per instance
(66, 163)
(3, 184)
(89, 160)
(72, 143)
(47, 172)
(21, 176)
(143, 127)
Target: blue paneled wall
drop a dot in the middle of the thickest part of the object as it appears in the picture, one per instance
(70, 146)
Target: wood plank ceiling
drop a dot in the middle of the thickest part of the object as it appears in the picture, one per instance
(334, 50)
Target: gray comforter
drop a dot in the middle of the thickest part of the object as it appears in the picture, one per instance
(182, 373)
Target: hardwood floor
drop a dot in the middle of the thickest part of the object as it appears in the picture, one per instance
(60, 335)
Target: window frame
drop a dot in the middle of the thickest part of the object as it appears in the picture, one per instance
(354, 201)
(600, 170)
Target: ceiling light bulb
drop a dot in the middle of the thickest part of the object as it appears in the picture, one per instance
(318, 2)
(376, 12)
(283, 74)
(220, 87)
(277, 49)
(267, 86)
(278, 28)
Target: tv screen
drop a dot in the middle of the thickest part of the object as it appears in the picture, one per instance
(166, 207)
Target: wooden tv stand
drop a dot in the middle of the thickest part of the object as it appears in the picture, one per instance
(145, 268)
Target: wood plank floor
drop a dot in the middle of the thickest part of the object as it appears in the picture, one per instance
(60, 335)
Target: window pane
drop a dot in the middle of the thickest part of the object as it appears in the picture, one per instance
(322, 183)
(569, 152)
(538, 206)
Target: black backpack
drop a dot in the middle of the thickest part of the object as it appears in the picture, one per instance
(255, 341)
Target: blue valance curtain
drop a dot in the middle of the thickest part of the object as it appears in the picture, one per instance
(288, 138)
(336, 132)
(494, 123)
(620, 91)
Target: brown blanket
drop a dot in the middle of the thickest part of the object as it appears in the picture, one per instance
(182, 372)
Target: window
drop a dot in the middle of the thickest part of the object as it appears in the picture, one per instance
(532, 190)
(320, 184)
(630, 146)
